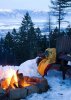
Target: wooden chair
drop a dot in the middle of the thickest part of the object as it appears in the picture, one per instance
(63, 47)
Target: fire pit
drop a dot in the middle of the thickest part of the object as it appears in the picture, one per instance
(19, 86)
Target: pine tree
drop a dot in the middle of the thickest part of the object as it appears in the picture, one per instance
(8, 49)
(1, 51)
(68, 30)
(27, 38)
(44, 43)
(32, 42)
(15, 35)
(38, 33)
(54, 36)
(59, 8)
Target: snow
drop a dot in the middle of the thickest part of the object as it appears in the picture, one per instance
(5, 10)
(59, 89)
(69, 62)
(7, 71)
(29, 68)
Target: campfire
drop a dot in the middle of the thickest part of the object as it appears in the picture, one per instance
(16, 82)
(10, 81)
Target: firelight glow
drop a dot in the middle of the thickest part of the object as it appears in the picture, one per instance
(10, 79)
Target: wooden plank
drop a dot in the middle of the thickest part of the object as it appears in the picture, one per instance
(63, 44)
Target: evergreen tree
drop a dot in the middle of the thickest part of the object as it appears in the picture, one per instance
(58, 7)
(8, 49)
(44, 43)
(23, 45)
(38, 33)
(1, 51)
(32, 42)
(14, 32)
(27, 38)
(68, 30)
(26, 24)
(54, 36)
(15, 35)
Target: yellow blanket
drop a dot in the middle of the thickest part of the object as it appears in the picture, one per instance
(49, 59)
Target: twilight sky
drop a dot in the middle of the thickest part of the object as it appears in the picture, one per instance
(25, 4)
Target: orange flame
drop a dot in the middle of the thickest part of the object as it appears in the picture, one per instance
(10, 80)
(15, 80)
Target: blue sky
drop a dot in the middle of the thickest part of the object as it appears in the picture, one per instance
(25, 4)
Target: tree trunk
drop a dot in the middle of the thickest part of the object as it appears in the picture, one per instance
(59, 19)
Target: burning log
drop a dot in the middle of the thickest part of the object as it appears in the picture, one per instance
(22, 83)
(19, 86)
(14, 82)
(5, 83)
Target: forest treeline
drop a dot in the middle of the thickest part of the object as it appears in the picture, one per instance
(28, 42)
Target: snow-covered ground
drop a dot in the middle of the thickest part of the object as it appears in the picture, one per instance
(59, 89)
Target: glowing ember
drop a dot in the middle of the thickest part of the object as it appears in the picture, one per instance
(5, 83)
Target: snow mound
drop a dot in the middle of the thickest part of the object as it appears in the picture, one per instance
(29, 68)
